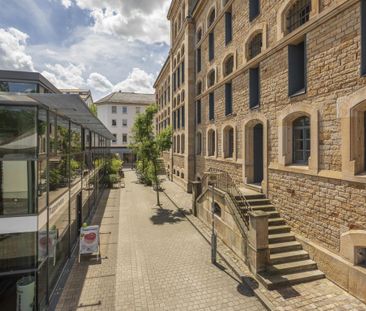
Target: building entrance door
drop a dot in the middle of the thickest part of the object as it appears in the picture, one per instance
(258, 153)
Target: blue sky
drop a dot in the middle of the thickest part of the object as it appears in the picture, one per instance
(102, 45)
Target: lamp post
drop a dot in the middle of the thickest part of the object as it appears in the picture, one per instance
(212, 180)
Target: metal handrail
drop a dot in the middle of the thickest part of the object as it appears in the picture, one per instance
(225, 183)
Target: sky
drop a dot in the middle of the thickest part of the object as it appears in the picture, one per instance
(101, 45)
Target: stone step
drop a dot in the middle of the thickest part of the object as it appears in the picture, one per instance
(255, 196)
(253, 187)
(279, 229)
(273, 281)
(276, 221)
(293, 267)
(256, 202)
(264, 208)
(281, 237)
(288, 257)
(284, 247)
(273, 214)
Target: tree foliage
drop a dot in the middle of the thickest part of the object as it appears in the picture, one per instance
(148, 147)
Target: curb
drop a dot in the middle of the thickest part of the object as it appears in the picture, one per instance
(236, 270)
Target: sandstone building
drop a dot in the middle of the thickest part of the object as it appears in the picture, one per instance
(274, 94)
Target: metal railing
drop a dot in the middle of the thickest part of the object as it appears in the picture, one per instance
(225, 183)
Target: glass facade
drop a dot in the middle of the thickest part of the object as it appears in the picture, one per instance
(51, 170)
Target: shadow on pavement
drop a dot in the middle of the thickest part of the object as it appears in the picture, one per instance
(164, 216)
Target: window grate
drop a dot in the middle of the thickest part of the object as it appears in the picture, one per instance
(255, 46)
(298, 15)
(301, 140)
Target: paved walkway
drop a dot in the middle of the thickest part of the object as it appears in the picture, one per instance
(152, 259)
(317, 295)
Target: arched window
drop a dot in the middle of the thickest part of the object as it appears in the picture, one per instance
(199, 35)
(297, 15)
(199, 88)
(211, 78)
(211, 17)
(255, 46)
(228, 142)
(229, 65)
(178, 144)
(198, 143)
(211, 141)
(182, 143)
(301, 140)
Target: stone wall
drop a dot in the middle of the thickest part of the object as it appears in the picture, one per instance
(319, 209)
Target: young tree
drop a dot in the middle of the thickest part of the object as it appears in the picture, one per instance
(149, 147)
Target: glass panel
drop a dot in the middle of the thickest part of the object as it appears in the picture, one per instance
(58, 177)
(52, 134)
(42, 131)
(17, 251)
(17, 132)
(63, 136)
(75, 138)
(87, 139)
(42, 184)
(8, 290)
(18, 87)
(17, 183)
(42, 286)
(76, 162)
(73, 219)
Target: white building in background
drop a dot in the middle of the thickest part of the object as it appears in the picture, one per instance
(118, 112)
(85, 95)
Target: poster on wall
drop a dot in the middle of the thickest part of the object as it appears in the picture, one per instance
(42, 244)
(89, 240)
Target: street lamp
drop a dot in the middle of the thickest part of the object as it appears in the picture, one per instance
(212, 180)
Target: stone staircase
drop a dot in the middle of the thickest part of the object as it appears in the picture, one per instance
(289, 263)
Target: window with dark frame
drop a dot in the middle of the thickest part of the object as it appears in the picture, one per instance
(114, 122)
(211, 17)
(228, 98)
(254, 9)
(297, 15)
(229, 145)
(182, 68)
(198, 112)
(199, 143)
(297, 69)
(211, 106)
(124, 138)
(254, 87)
(183, 117)
(174, 120)
(114, 109)
(115, 138)
(229, 65)
(178, 118)
(301, 140)
(228, 27)
(211, 78)
(211, 46)
(199, 88)
(255, 46)
(211, 142)
(199, 35)
(198, 60)
(363, 37)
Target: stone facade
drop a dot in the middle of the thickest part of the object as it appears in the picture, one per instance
(326, 196)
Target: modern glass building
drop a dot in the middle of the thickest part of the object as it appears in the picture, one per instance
(52, 151)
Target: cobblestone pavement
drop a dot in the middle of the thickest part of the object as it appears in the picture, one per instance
(152, 259)
(317, 295)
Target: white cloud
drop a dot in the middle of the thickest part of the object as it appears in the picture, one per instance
(99, 82)
(66, 3)
(64, 77)
(13, 54)
(137, 81)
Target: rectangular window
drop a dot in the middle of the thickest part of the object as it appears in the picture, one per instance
(198, 111)
(124, 138)
(178, 117)
(114, 109)
(115, 138)
(138, 109)
(199, 60)
(211, 106)
(178, 77)
(124, 110)
(297, 69)
(254, 9)
(183, 72)
(228, 27)
(363, 37)
(124, 122)
(228, 99)
(254, 87)
(211, 46)
(114, 122)
(183, 117)
(174, 82)
(174, 120)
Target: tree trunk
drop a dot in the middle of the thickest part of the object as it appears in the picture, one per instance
(156, 183)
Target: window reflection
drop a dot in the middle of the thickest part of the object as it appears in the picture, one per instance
(52, 134)
(42, 184)
(42, 131)
(17, 187)
(18, 87)
(76, 162)
(75, 138)
(58, 177)
(63, 136)
(17, 132)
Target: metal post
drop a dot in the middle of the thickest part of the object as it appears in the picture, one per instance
(213, 234)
